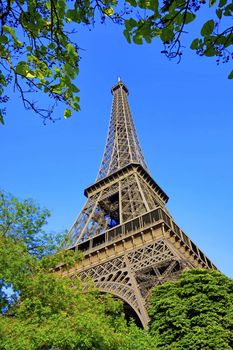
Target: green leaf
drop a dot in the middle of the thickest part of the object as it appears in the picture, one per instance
(52, 46)
(189, 17)
(73, 88)
(1, 118)
(167, 35)
(108, 11)
(130, 23)
(194, 44)
(30, 75)
(22, 68)
(71, 50)
(228, 40)
(156, 8)
(147, 38)
(11, 31)
(127, 35)
(144, 3)
(222, 3)
(219, 13)
(211, 51)
(67, 113)
(149, 4)
(137, 38)
(56, 89)
(230, 76)
(212, 2)
(179, 18)
(228, 10)
(207, 28)
(70, 71)
(3, 39)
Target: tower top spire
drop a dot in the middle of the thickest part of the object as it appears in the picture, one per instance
(119, 85)
(122, 147)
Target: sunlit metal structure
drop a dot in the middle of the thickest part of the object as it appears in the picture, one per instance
(129, 240)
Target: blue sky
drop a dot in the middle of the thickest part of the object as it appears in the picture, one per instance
(183, 116)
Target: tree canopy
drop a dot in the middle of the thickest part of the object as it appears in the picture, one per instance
(39, 44)
(195, 312)
(41, 309)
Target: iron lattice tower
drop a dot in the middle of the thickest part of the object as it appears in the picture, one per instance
(129, 240)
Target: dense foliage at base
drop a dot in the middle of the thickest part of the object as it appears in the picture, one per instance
(195, 312)
(43, 310)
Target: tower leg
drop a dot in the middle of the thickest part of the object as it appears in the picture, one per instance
(140, 301)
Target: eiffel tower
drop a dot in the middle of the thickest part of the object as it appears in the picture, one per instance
(129, 240)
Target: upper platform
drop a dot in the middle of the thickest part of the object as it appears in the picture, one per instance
(115, 177)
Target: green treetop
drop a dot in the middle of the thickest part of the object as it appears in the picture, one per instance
(195, 312)
(44, 309)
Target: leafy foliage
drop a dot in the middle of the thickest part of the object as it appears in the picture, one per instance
(55, 314)
(167, 20)
(43, 309)
(195, 312)
(37, 53)
(24, 246)
(39, 50)
(23, 221)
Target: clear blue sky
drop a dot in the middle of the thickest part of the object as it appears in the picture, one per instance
(183, 115)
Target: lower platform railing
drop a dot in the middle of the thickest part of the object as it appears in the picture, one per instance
(138, 224)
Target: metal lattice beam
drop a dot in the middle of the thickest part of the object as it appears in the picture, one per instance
(122, 145)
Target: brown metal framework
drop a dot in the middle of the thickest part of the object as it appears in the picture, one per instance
(129, 240)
